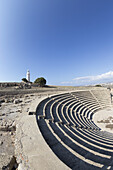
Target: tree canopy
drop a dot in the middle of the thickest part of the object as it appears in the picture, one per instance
(40, 81)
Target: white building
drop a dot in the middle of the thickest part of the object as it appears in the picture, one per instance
(28, 75)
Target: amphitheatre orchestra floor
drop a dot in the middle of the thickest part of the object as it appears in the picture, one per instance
(104, 119)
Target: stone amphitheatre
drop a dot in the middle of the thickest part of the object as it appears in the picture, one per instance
(56, 129)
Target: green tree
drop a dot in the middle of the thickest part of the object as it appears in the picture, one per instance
(98, 85)
(40, 81)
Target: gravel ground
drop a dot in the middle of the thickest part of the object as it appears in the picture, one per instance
(11, 108)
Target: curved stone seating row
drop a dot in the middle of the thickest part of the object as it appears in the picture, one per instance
(103, 97)
(66, 124)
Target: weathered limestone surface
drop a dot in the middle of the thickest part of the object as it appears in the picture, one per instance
(31, 149)
(10, 110)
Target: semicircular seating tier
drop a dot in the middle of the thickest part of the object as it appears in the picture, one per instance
(66, 123)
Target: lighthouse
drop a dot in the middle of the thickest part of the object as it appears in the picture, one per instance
(28, 75)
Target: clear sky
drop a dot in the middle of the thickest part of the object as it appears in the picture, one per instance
(64, 41)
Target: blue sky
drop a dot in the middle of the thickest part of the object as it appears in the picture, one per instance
(66, 42)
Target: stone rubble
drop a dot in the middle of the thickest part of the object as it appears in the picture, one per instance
(11, 108)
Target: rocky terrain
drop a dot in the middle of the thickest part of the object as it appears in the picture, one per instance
(11, 109)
